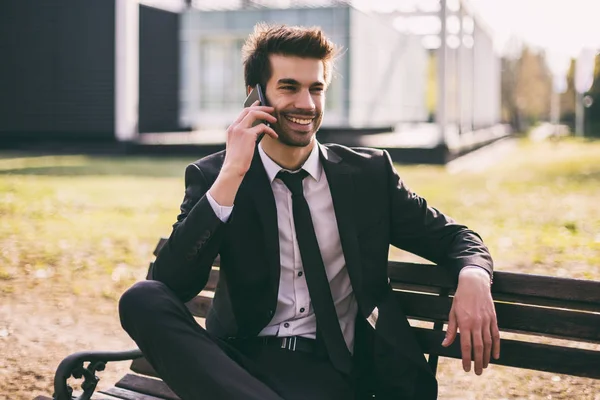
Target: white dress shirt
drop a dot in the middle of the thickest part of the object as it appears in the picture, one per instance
(294, 315)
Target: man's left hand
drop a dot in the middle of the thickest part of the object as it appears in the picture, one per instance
(474, 315)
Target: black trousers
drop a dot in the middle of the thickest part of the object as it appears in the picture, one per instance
(197, 365)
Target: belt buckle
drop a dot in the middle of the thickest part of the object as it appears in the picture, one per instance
(289, 343)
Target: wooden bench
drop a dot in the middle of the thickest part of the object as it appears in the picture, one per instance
(536, 305)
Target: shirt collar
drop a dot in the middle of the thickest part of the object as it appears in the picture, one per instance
(312, 165)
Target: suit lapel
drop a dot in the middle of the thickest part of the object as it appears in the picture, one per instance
(257, 186)
(341, 184)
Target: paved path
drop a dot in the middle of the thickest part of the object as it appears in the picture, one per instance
(482, 159)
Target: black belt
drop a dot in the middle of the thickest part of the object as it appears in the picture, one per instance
(291, 343)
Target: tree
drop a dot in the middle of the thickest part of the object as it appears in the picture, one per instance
(534, 86)
(510, 111)
(567, 102)
(593, 113)
(526, 88)
(567, 99)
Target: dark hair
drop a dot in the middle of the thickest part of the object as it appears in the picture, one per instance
(285, 40)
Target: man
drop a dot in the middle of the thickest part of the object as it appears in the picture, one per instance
(303, 309)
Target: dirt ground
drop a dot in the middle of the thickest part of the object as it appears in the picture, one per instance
(35, 336)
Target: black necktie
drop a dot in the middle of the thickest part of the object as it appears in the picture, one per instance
(318, 286)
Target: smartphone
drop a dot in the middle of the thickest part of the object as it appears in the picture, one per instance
(257, 94)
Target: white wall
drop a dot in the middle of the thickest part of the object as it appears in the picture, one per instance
(486, 81)
(127, 49)
(388, 72)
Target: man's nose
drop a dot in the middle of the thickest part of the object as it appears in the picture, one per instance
(304, 100)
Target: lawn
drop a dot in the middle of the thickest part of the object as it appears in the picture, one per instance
(76, 231)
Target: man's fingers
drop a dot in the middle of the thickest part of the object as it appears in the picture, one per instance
(256, 115)
(477, 343)
(495, 339)
(465, 349)
(451, 331)
(487, 345)
(262, 128)
(254, 107)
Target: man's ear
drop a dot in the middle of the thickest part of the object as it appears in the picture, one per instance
(248, 90)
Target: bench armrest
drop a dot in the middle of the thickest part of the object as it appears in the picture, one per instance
(73, 366)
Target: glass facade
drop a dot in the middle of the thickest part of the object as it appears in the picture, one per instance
(212, 85)
(221, 73)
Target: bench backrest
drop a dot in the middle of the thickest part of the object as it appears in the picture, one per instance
(526, 304)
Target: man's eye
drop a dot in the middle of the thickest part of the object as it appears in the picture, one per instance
(287, 88)
(317, 90)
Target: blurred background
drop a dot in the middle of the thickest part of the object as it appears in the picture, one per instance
(491, 110)
(449, 74)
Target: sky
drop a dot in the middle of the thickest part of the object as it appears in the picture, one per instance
(559, 26)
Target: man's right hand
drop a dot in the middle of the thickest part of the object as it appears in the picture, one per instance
(240, 146)
(242, 136)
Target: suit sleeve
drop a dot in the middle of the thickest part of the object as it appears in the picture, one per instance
(425, 231)
(185, 261)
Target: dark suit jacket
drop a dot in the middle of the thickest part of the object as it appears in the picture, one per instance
(373, 209)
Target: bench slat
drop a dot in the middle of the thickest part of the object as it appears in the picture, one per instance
(533, 289)
(213, 279)
(567, 289)
(149, 386)
(574, 294)
(508, 298)
(128, 394)
(530, 286)
(535, 356)
(512, 317)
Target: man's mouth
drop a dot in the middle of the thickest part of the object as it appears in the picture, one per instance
(299, 121)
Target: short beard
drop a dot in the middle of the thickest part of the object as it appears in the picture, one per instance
(289, 139)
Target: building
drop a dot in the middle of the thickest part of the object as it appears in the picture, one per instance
(87, 70)
(112, 69)
(379, 80)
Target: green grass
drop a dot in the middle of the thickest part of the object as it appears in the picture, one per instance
(86, 226)
(83, 225)
(538, 209)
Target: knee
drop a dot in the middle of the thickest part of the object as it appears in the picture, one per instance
(140, 300)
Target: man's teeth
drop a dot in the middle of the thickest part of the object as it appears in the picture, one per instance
(300, 121)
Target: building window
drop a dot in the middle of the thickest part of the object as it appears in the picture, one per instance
(221, 73)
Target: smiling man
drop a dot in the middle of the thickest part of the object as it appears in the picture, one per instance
(298, 101)
(303, 309)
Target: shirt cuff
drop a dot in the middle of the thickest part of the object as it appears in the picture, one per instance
(222, 212)
(476, 266)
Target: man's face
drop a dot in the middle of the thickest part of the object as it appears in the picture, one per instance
(296, 90)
